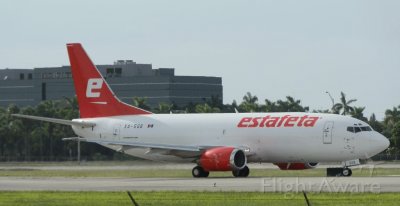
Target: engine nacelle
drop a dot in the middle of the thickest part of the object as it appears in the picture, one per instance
(223, 159)
(296, 165)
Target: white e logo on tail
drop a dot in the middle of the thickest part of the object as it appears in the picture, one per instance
(95, 83)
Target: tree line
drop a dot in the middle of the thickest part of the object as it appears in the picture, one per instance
(27, 140)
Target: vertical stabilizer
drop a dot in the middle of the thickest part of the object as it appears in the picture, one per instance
(95, 97)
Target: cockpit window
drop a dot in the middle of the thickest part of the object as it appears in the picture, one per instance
(369, 129)
(357, 129)
(350, 129)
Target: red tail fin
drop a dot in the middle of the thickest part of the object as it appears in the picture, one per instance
(95, 97)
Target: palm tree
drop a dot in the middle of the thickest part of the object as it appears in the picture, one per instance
(270, 106)
(344, 105)
(375, 124)
(392, 116)
(205, 108)
(215, 101)
(249, 103)
(71, 110)
(249, 98)
(291, 105)
(163, 108)
(227, 108)
(141, 102)
(72, 102)
(396, 135)
(358, 113)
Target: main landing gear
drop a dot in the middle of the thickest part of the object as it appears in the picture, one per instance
(200, 172)
(339, 172)
(241, 173)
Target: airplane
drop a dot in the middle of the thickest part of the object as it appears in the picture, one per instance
(214, 142)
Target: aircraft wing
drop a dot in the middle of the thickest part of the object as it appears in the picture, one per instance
(147, 145)
(164, 149)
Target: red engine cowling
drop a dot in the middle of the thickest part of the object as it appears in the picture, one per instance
(223, 159)
(296, 165)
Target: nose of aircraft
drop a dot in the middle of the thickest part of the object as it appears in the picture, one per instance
(378, 143)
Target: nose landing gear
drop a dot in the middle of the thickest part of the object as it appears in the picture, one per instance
(339, 172)
(346, 172)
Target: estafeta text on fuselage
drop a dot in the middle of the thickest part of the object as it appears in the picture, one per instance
(284, 121)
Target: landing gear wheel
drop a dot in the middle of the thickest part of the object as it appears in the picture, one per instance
(338, 172)
(199, 172)
(241, 173)
(347, 172)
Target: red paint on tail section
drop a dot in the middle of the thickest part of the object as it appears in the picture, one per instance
(95, 97)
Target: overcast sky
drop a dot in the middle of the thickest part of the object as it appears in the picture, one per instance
(270, 48)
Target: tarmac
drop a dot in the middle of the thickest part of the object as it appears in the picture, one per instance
(270, 184)
(250, 184)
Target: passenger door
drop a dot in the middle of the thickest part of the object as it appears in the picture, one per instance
(327, 133)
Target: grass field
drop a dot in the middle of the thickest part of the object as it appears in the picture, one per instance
(193, 198)
(186, 173)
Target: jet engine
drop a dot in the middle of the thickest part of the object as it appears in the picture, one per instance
(223, 159)
(296, 165)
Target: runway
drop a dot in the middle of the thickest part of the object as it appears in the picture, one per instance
(270, 184)
(254, 184)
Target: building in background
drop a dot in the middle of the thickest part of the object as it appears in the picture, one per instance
(28, 87)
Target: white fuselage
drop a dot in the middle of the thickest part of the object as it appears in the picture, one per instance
(326, 140)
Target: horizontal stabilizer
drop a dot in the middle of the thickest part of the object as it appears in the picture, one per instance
(58, 121)
(71, 139)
